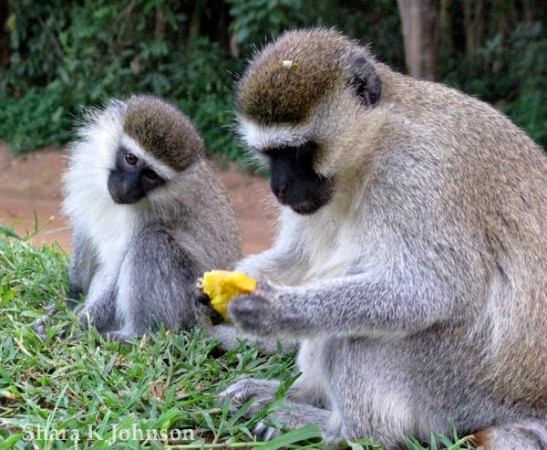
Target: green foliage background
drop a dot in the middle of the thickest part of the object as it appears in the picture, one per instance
(61, 56)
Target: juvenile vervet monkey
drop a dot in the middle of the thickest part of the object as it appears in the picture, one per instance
(411, 260)
(149, 216)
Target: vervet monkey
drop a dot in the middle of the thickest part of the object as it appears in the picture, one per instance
(411, 259)
(149, 217)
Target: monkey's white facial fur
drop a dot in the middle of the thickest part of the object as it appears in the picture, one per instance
(131, 172)
(260, 137)
(108, 168)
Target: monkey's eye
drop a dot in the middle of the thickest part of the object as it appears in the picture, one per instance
(150, 174)
(130, 159)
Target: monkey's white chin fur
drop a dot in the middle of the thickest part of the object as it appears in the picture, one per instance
(88, 202)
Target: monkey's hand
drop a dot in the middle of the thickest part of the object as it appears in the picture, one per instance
(220, 286)
(256, 312)
(203, 304)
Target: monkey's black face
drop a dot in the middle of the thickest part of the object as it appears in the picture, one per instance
(132, 179)
(294, 182)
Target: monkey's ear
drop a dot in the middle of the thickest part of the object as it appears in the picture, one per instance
(364, 80)
(116, 104)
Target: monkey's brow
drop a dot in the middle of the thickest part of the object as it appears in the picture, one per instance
(308, 147)
(274, 148)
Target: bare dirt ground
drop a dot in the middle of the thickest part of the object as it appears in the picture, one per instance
(33, 183)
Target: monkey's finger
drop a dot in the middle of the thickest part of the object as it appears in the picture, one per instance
(201, 297)
(265, 432)
(251, 407)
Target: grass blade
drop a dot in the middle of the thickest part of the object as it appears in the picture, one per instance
(310, 431)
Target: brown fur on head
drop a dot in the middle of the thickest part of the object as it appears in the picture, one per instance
(293, 74)
(162, 130)
(318, 86)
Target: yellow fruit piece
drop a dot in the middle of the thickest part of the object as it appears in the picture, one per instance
(221, 286)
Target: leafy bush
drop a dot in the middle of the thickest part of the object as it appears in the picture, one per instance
(510, 73)
(97, 49)
(121, 50)
(257, 21)
(37, 119)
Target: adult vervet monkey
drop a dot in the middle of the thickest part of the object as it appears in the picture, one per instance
(411, 259)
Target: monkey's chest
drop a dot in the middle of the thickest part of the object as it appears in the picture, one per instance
(112, 232)
(331, 253)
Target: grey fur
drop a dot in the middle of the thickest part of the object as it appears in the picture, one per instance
(419, 291)
(137, 264)
(231, 337)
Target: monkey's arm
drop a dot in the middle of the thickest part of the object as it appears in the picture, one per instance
(283, 263)
(81, 269)
(100, 304)
(360, 304)
(157, 283)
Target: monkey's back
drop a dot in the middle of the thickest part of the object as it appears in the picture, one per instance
(490, 190)
(204, 215)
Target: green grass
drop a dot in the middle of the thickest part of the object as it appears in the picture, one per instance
(96, 394)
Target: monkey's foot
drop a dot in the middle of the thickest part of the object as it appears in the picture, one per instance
(265, 432)
(120, 336)
(263, 392)
(289, 415)
(239, 393)
(40, 327)
(292, 415)
(42, 324)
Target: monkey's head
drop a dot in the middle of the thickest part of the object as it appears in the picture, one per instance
(297, 102)
(153, 142)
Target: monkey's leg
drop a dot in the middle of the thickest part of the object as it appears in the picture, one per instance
(525, 435)
(230, 337)
(156, 286)
(81, 268)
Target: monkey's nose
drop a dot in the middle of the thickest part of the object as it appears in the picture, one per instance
(280, 192)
